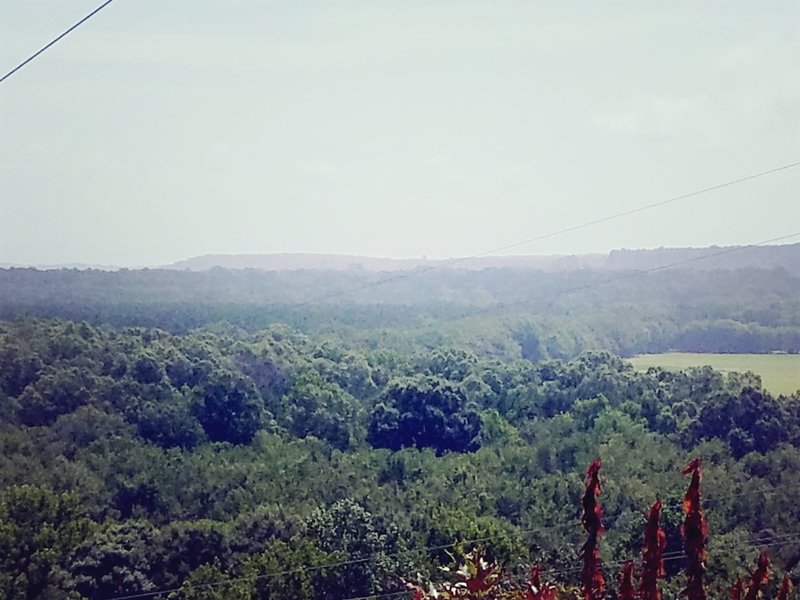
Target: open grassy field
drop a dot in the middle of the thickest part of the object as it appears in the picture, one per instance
(780, 373)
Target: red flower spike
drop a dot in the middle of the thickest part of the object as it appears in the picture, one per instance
(737, 589)
(626, 591)
(695, 535)
(759, 577)
(655, 542)
(592, 583)
(786, 588)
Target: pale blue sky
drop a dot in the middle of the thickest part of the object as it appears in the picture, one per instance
(165, 129)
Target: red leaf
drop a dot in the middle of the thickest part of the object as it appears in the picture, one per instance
(479, 575)
(655, 542)
(626, 591)
(786, 588)
(759, 577)
(737, 589)
(536, 591)
(695, 535)
(592, 583)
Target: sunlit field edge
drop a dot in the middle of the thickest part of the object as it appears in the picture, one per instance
(780, 373)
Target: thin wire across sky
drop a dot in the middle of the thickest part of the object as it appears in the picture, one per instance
(554, 233)
(54, 41)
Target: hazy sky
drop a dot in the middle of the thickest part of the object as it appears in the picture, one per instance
(165, 129)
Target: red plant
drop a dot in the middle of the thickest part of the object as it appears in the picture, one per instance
(592, 583)
(695, 535)
(536, 591)
(476, 577)
(737, 589)
(759, 577)
(479, 579)
(416, 592)
(786, 588)
(655, 542)
(626, 591)
(477, 574)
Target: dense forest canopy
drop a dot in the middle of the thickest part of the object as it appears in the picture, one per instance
(502, 311)
(212, 435)
(135, 460)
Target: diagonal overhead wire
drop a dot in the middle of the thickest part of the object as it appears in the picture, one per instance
(761, 539)
(572, 228)
(760, 543)
(55, 40)
(632, 211)
(500, 306)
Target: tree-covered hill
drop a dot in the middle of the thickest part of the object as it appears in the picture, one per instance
(508, 312)
(135, 460)
(786, 256)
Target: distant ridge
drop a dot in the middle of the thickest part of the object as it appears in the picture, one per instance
(62, 266)
(785, 256)
(346, 262)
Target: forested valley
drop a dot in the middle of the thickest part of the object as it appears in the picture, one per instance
(338, 435)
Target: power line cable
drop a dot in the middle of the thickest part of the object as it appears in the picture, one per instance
(499, 306)
(761, 542)
(55, 40)
(708, 499)
(773, 541)
(555, 233)
(425, 550)
(303, 569)
(670, 557)
(769, 541)
(384, 596)
(427, 269)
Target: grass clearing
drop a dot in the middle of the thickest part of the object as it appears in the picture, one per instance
(780, 373)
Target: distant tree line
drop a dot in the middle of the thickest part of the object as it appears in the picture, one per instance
(538, 314)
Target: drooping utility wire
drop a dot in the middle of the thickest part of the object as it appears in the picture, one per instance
(775, 541)
(764, 542)
(426, 550)
(500, 306)
(55, 40)
(527, 532)
(557, 232)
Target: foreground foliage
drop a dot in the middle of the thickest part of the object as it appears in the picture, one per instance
(478, 578)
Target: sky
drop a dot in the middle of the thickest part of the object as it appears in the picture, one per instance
(165, 129)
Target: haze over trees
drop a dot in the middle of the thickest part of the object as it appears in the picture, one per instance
(735, 308)
(169, 430)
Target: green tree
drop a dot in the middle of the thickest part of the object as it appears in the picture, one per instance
(229, 409)
(117, 559)
(347, 530)
(425, 412)
(56, 392)
(210, 582)
(38, 529)
(323, 410)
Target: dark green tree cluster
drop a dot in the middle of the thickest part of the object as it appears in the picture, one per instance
(280, 465)
(426, 412)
